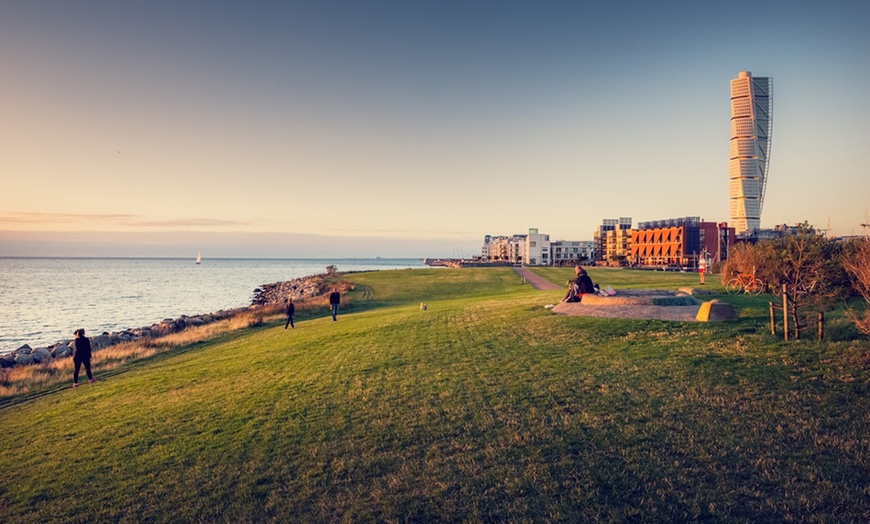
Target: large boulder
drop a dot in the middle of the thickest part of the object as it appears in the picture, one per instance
(24, 349)
(60, 344)
(101, 341)
(41, 355)
(7, 361)
(23, 359)
(715, 311)
(61, 352)
(142, 332)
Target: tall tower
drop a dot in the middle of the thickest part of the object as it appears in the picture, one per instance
(751, 126)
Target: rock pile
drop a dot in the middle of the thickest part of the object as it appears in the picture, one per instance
(298, 289)
(25, 355)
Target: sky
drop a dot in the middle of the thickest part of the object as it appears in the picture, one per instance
(411, 128)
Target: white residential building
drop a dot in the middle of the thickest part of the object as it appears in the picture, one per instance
(501, 248)
(534, 249)
(537, 252)
(565, 251)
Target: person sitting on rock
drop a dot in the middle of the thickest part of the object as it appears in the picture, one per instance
(579, 286)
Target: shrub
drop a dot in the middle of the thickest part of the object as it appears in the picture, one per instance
(808, 264)
(856, 262)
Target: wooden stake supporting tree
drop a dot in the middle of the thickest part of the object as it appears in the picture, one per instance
(805, 269)
(785, 318)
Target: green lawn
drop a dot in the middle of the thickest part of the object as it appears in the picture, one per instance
(485, 407)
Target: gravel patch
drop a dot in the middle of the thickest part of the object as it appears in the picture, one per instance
(675, 313)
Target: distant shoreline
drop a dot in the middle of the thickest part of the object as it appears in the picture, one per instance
(112, 294)
(205, 259)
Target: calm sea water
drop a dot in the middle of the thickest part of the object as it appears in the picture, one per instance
(42, 300)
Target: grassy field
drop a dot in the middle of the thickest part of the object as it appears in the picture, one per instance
(485, 407)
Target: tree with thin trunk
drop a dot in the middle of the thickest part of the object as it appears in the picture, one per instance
(857, 265)
(809, 264)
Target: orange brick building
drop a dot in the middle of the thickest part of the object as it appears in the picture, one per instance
(679, 242)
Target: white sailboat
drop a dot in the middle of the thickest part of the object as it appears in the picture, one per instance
(198, 256)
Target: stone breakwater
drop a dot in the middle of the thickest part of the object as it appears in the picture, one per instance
(299, 289)
(25, 355)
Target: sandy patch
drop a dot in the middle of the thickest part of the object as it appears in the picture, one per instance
(637, 303)
(675, 313)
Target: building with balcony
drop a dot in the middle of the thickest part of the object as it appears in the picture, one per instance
(679, 242)
(534, 249)
(565, 252)
(749, 158)
(610, 245)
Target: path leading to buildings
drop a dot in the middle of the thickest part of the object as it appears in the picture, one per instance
(539, 283)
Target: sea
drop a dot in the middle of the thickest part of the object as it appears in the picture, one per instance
(43, 300)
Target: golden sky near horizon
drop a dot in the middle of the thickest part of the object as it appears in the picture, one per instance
(414, 122)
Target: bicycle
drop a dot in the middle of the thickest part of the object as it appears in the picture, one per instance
(746, 282)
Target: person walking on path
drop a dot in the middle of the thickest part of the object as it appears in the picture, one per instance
(290, 309)
(81, 355)
(334, 301)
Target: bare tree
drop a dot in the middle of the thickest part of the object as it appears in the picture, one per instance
(756, 259)
(809, 264)
(806, 266)
(857, 264)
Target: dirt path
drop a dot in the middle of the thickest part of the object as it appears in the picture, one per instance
(539, 283)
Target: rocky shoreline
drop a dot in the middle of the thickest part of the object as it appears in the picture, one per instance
(299, 289)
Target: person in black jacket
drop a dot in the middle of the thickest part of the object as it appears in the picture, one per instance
(290, 309)
(584, 283)
(579, 286)
(334, 301)
(81, 355)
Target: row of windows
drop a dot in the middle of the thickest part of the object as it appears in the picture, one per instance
(739, 87)
(743, 147)
(745, 208)
(742, 167)
(741, 107)
(743, 126)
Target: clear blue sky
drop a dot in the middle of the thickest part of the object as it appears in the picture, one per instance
(410, 128)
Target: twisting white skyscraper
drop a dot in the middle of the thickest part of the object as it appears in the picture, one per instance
(751, 126)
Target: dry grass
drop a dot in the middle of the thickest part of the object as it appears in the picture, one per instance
(23, 380)
(858, 268)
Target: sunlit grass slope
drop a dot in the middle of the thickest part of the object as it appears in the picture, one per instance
(484, 407)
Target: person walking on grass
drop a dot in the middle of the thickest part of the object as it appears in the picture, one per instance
(334, 301)
(290, 309)
(81, 355)
(702, 267)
